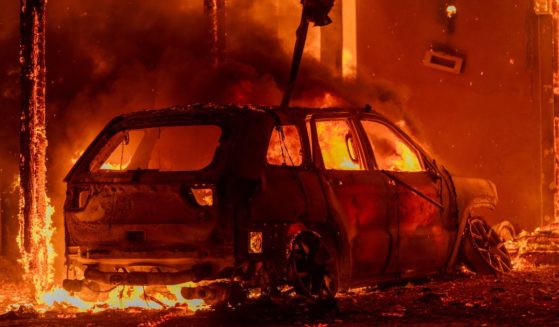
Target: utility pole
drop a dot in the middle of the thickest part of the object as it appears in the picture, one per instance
(33, 141)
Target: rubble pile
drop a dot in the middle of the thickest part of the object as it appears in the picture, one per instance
(540, 247)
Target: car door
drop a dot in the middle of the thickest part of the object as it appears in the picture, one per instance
(360, 198)
(423, 242)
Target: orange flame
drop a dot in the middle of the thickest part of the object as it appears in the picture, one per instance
(125, 297)
(405, 159)
(336, 151)
(38, 264)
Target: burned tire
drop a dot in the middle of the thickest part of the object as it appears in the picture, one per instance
(313, 267)
(483, 251)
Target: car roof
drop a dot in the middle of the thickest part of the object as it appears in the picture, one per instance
(179, 114)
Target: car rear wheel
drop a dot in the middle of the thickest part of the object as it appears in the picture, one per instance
(483, 250)
(313, 268)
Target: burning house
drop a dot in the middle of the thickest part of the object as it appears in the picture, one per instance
(472, 82)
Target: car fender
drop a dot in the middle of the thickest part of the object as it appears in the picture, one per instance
(470, 194)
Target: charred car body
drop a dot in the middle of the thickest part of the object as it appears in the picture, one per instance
(260, 197)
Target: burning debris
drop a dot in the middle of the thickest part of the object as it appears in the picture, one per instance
(36, 228)
(537, 248)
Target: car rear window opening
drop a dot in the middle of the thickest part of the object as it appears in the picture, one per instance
(170, 148)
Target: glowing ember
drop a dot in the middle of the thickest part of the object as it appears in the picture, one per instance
(532, 249)
(38, 263)
(126, 297)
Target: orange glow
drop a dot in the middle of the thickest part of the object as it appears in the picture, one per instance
(47, 296)
(349, 54)
(255, 242)
(203, 196)
(285, 148)
(404, 159)
(114, 166)
(349, 64)
(324, 100)
(392, 153)
(38, 263)
(126, 297)
(76, 156)
(337, 151)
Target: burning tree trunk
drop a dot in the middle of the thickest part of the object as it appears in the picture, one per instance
(215, 11)
(34, 222)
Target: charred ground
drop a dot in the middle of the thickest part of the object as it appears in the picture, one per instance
(527, 296)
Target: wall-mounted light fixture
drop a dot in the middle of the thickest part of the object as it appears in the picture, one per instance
(450, 13)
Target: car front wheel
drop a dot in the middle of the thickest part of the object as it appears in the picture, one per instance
(483, 250)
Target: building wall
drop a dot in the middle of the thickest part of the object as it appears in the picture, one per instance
(495, 119)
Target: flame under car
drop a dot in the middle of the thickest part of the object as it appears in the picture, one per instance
(258, 197)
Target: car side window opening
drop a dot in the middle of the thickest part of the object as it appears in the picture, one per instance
(173, 148)
(392, 152)
(285, 147)
(338, 145)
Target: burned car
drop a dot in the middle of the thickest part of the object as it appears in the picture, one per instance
(255, 197)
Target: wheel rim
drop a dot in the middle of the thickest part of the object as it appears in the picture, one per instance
(489, 245)
(313, 270)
